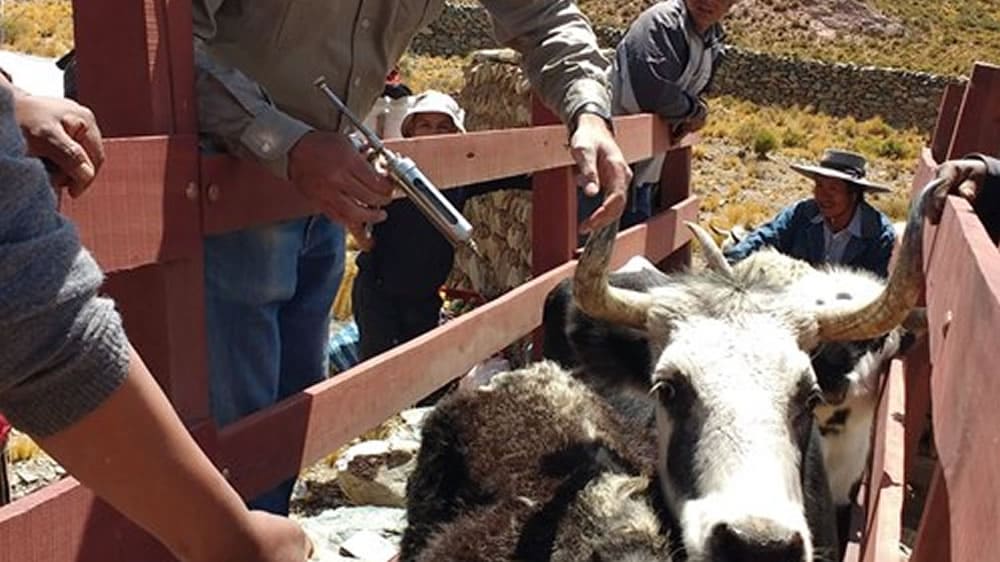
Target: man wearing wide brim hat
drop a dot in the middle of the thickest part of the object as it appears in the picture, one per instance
(835, 225)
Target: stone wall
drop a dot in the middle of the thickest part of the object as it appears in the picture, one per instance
(902, 98)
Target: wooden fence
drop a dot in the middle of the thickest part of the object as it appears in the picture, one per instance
(954, 375)
(157, 197)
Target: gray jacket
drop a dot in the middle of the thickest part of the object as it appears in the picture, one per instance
(62, 349)
(662, 65)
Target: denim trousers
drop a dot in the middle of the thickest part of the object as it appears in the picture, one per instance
(268, 293)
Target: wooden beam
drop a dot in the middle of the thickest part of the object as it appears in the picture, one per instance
(933, 543)
(272, 444)
(944, 127)
(163, 311)
(978, 128)
(675, 185)
(138, 77)
(241, 194)
(553, 209)
(886, 476)
(963, 298)
(63, 522)
(140, 209)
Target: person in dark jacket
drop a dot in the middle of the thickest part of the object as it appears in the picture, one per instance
(395, 297)
(836, 225)
(976, 178)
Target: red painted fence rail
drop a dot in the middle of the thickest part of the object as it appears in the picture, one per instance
(158, 197)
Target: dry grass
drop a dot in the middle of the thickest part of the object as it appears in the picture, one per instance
(738, 186)
(41, 27)
(941, 36)
(446, 74)
(20, 447)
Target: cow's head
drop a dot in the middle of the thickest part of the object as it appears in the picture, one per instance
(734, 386)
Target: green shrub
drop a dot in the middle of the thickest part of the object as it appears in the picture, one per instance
(763, 143)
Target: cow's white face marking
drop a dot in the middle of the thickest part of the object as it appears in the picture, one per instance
(734, 412)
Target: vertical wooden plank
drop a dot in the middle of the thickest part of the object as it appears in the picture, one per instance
(886, 478)
(553, 208)
(944, 128)
(162, 308)
(934, 533)
(179, 35)
(123, 74)
(918, 399)
(978, 127)
(675, 186)
(963, 298)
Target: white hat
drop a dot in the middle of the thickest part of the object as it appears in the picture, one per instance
(433, 101)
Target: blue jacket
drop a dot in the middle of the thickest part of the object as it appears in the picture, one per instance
(793, 232)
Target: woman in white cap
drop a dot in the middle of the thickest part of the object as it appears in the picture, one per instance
(395, 295)
(836, 225)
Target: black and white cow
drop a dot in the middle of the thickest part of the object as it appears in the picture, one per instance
(727, 384)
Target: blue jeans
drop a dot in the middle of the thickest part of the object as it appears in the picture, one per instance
(268, 293)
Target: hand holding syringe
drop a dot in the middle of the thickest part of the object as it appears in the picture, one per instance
(438, 210)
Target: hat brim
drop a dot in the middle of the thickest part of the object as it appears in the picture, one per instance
(813, 171)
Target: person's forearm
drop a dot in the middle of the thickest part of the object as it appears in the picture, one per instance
(561, 57)
(135, 453)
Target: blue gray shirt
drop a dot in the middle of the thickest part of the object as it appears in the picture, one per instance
(664, 63)
(796, 232)
(62, 349)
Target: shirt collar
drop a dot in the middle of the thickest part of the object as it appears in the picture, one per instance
(854, 227)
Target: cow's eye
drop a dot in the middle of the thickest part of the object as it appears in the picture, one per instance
(664, 390)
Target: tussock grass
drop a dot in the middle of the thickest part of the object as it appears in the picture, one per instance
(446, 74)
(20, 448)
(40, 27)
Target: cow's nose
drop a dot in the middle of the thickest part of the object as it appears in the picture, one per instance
(756, 541)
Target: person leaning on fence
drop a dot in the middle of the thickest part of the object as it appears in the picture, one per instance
(396, 293)
(70, 378)
(975, 178)
(269, 288)
(663, 65)
(835, 225)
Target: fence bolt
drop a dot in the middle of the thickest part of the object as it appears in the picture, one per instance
(225, 472)
(214, 193)
(948, 317)
(192, 191)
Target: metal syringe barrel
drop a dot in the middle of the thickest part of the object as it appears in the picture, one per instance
(404, 171)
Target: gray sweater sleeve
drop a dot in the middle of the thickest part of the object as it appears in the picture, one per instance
(62, 349)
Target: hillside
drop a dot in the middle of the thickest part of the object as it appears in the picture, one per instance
(940, 36)
(943, 36)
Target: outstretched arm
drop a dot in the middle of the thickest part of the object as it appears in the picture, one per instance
(134, 453)
(563, 62)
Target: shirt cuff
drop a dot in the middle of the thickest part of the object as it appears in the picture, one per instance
(584, 90)
(271, 136)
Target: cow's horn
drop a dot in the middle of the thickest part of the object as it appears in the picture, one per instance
(595, 296)
(891, 307)
(713, 254)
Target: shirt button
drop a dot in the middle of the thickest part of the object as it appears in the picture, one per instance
(357, 81)
(366, 23)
